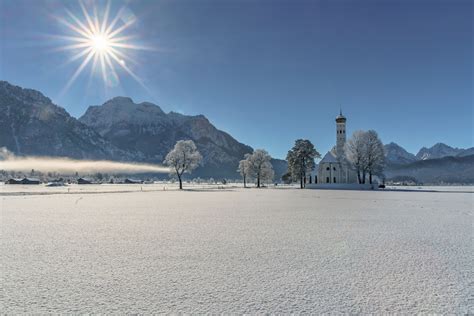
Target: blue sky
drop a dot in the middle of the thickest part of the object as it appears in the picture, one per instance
(269, 72)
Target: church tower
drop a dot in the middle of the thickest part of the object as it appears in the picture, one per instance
(340, 134)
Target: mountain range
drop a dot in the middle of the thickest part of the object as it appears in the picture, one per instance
(437, 164)
(446, 170)
(119, 129)
(30, 124)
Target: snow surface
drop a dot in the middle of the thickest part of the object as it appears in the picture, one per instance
(234, 250)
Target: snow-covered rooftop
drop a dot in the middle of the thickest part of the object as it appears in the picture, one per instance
(329, 158)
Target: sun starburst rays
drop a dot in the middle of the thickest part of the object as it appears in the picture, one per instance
(102, 44)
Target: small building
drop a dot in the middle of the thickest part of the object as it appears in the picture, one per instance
(83, 181)
(30, 181)
(13, 181)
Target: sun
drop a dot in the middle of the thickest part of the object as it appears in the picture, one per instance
(101, 42)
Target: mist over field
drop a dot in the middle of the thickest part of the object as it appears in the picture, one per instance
(11, 162)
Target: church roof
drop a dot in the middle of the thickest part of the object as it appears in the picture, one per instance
(329, 158)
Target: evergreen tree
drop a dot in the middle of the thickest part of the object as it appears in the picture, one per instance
(301, 160)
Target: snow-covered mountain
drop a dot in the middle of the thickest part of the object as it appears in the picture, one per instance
(395, 154)
(30, 124)
(149, 133)
(439, 150)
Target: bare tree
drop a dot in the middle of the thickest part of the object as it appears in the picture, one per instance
(184, 157)
(374, 154)
(301, 160)
(260, 167)
(355, 154)
(244, 166)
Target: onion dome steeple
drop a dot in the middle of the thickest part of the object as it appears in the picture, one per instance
(340, 118)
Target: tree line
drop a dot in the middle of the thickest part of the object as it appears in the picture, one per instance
(363, 153)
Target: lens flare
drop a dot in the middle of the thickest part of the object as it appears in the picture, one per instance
(101, 43)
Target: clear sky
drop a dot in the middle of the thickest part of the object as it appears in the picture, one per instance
(268, 72)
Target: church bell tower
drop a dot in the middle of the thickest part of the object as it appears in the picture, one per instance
(340, 134)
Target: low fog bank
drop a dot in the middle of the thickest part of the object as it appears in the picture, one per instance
(62, 165)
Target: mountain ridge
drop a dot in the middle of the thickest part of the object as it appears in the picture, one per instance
(396, 154)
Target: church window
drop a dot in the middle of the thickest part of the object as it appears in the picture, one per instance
(334, 168)
(328, 168)
(334, 179)
(327, 179)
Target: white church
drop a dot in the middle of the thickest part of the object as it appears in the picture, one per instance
(333, 169)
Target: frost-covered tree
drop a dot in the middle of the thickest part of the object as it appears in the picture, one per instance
(365, 153)
(243, 169)
(260, 167)
(267, 173)
(374, 154)
(301, 160)
(355, 154)
(184, 157)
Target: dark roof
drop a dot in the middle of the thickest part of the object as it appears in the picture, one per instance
(30, 181)
(132, 181)
(83, 181)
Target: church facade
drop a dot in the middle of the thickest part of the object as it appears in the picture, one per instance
(333, 168)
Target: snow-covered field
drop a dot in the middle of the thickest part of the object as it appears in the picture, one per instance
(144, 249)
